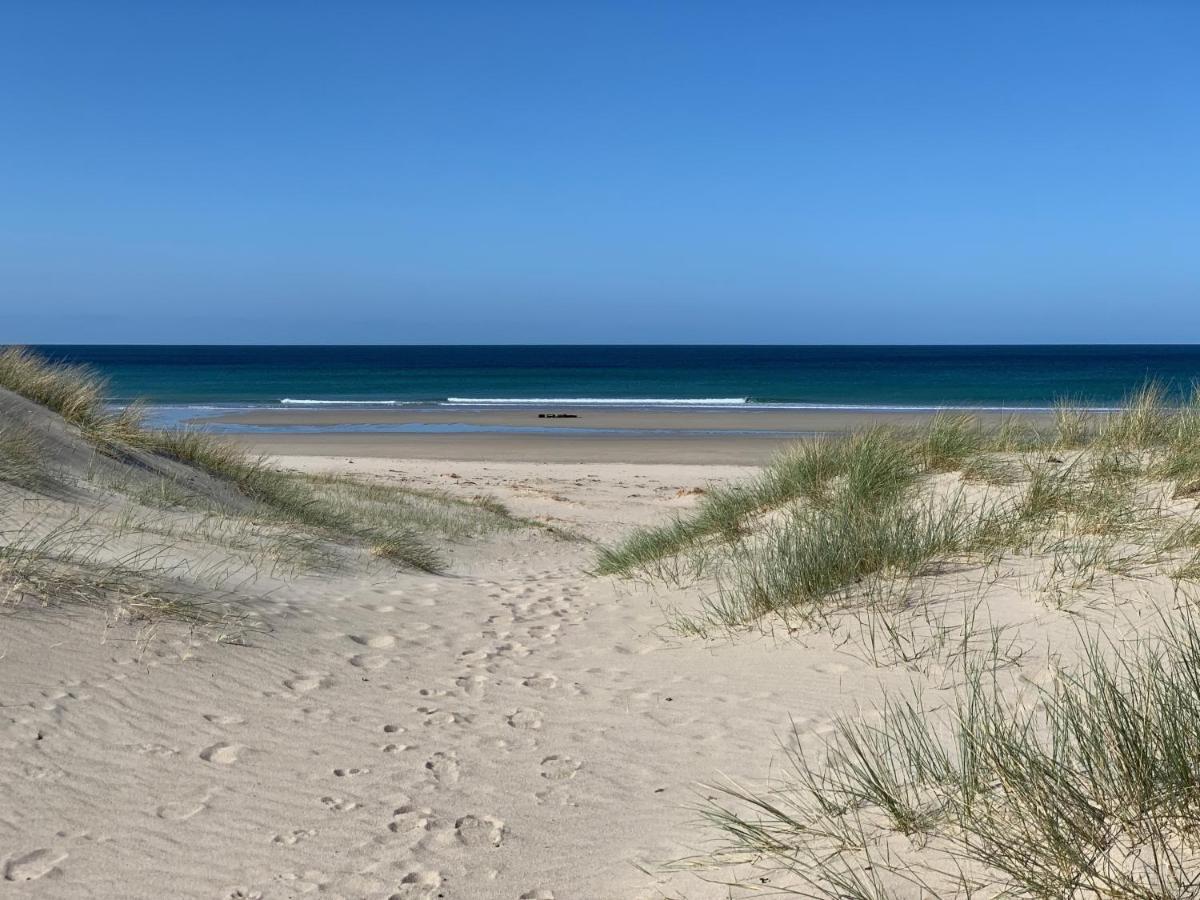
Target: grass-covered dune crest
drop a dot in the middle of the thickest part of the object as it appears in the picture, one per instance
(1037, 587)
(832, 513)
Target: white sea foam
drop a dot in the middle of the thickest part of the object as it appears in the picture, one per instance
(596, 401)
(288, 401)
(685, 402)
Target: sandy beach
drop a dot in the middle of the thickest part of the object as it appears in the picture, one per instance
(517, 729)
(514, 727)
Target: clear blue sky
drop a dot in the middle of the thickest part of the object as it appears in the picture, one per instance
(443, 172)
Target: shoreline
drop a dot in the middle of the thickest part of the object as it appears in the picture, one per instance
(734, 419)
(729, 437)
(743, 449)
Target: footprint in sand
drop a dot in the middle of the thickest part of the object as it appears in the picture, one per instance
(538, 894)
(221, 719)
(368, 661)
(182, 810)
(310, 681)
(221, 754)
(542, 681)
(411, 818)
(435, 717)
(513, 648)
(339, 804)
(555, 796)
(831, 668)
(160, 750)
(417, 885)
(558, 768)
(291, 838)
(350, 773)
(476, 831)
(523, 717)
(375, 642)
(32, 865)
(443, 767)
(471, 685)
(393, 729)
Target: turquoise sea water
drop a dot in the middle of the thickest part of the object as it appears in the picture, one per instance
(824, 376)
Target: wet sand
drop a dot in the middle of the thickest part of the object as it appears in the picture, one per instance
(733, 437)
(794, 421)
(741, 449)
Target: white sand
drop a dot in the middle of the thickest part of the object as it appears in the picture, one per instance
(518, 729)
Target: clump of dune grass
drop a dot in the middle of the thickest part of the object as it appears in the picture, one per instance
(292, 497)
(21, 461)
(872, 468)
(818, 554)
(74, 392)
(1072, 426)
(408, 548)
(78, 561)
(1143, 420)
(1087, 787)
(949, 440)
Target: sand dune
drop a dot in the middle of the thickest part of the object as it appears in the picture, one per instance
(514, 728)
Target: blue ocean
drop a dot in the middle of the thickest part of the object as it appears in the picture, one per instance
(845, 377)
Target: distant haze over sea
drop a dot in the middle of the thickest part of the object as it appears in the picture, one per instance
(824, 376)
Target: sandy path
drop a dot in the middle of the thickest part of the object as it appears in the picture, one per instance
(517, 730)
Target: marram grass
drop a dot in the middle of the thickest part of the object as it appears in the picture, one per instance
(1087, 787)
(394, 523)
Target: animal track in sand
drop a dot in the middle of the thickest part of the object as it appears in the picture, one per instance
(338, 804)
(308, 681)
(375, 642)
(537, 894)
(33, 865)
(350, 773)
(221, 754)
(523, 717)
(476, 831)
(443, 766)
(396, 748)
(558, 768)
